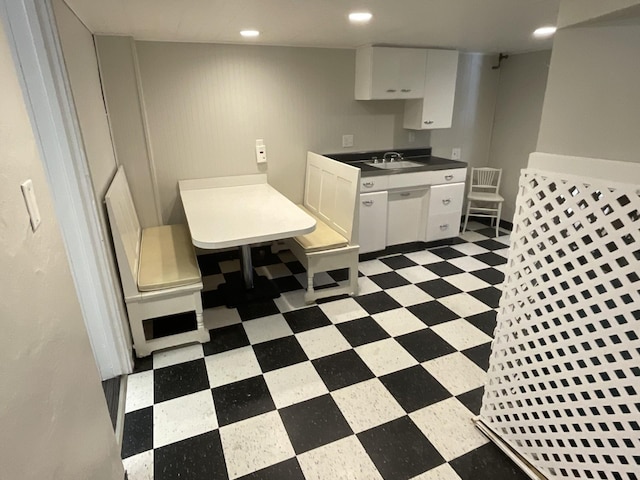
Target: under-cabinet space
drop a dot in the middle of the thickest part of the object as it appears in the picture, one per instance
(384, 73)
(373, 221)
(406, 218)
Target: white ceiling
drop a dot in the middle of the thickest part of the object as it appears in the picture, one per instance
(470, 25)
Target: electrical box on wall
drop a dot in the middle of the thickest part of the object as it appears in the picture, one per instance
(261, 151)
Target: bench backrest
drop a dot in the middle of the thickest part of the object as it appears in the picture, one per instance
(126, 231)
(331, 192)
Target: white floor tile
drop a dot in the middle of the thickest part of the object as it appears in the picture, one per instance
(443, 472)
(506, 239)
(219, 317)
(139, 391)
(449, 428)
(345, 459)
(366, 286)
(274, 271)
(211, 282)
(467, 282)
(323, 341)
(319, 279)
(139, 467)
(367, 404)
(398, 321)
(183, 417)
(468, 264)
(423, 257)
(343, 310)
(289, 301)
(294, 384)
(173, 356)
(254, 444)
(469, 248)
(266, 328)
(456, 373)
(503, 252)
(464, 305)
(460, 334)
(228, 266)
(385, 356)
(232, 366)
(373, 267)
(417, 274)
(409, 295)
(471, 236)
(475, 225)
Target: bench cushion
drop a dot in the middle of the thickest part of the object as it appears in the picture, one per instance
(167, 258)
(322, 238)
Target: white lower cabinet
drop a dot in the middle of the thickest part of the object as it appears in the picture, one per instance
(445, 208)
(373, 221)
(406, 216)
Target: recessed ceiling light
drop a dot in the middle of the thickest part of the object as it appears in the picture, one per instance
(544, 32)
(249, 33)
(359, 17)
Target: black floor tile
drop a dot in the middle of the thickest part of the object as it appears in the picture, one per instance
(472, 399)
(143, 364)
(212, 299)
(414, 388)
(485, 321)
(279, 353)
(306, 319)
(295, 267)
(339, 275)
(438, 288)
(361, 331)
(288, 283)
(209, 264)
(490, 258)
(486, 463)
(479, 355)
(398, 262)
(287, 470)
(226, 338)
(425, 345)
(138, 432)
(241, 400)
(389, 280)
(399, 449)
(490, 244)
(179, 380)
(489, 275)
(314, 423)
(432, 313)
(342, 369)
(447, 253)
(491, 232)
(252, 310)
(489, 296)
(377, 302)
(196, 458)
(261, 256)
(443, 269)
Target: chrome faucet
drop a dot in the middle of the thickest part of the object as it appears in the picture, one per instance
(394, 156)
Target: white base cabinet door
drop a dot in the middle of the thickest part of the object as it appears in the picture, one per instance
(406, 218)
(373, 221)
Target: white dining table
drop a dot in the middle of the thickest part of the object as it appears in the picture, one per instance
(239, 211)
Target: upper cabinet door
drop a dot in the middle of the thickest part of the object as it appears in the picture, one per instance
(435, 109)
(385, 73)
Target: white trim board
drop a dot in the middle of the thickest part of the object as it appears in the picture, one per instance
(32, 36)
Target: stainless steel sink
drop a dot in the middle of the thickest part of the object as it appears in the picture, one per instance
(398, 164)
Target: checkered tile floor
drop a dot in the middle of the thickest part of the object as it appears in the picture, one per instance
(383, 385)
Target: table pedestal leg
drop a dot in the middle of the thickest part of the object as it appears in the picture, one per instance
(247, 266)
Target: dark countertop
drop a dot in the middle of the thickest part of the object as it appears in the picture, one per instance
(422, 156)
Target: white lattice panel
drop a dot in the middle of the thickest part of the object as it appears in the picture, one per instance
(564, 378)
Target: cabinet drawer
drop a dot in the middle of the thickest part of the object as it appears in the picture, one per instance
(446, 199)
(434, 177)
(441, 226)
(453, 175)
(374, 184)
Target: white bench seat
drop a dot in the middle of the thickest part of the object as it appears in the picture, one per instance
(322, 238)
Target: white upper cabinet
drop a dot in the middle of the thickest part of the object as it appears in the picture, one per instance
(435, 108)
(384, 73)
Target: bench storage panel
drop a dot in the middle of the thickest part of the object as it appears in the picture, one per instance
(158, 270)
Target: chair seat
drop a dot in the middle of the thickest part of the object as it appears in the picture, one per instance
(322, 238)
(167, 258)
(484, 197)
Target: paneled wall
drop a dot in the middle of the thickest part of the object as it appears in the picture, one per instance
(207, 104)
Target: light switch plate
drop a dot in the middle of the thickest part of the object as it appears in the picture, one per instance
(32, 205)
(347, 141)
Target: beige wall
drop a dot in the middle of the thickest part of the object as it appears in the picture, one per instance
(592, 102)
(53, 416)
(576, 11)
(207, 104)
(82, 69)
(523, 79)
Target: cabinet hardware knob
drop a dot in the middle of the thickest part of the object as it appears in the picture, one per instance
(367, 203)
(405, 90)
(444, 227)
(405, 194)
(448, 177)
(446, 201)
(391, 90)
(368, 184)
(428, 122)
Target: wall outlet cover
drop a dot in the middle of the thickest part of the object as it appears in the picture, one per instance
(347, 141)
(455, 154)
